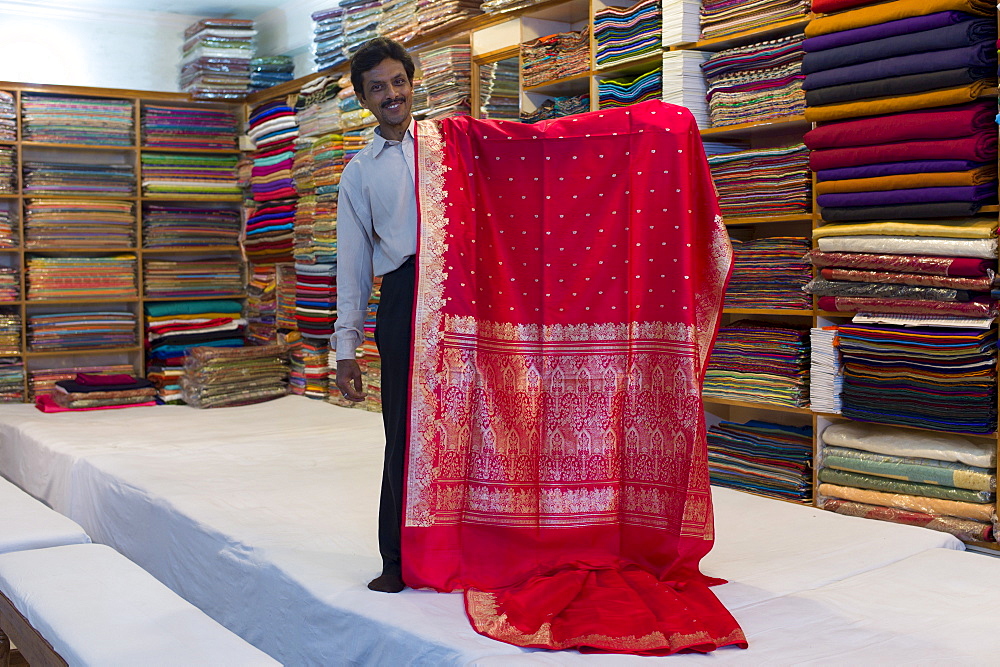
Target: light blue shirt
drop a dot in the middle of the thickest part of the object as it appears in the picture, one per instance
(376, 229)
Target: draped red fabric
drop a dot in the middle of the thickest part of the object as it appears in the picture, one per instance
(570, 279)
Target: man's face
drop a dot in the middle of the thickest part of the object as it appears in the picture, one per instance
(388, 93)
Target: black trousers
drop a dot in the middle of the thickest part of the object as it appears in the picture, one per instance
(393, 337)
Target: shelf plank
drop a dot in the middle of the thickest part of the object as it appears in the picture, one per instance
(755, 404)
(562, 81)
(53, 144)
(793, 217)
(102, 249)
(786, 124)
(194, 298)
(760, 34)
(84, 350)
(209, 151)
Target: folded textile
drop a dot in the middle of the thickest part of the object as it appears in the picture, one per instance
(899, 85)
(978, 176)
(974, 511)
(911, 211)
(979, 147)
(981, 54)
(925, 263)
(926, 41)
(895, 441)
(971, 193)
(894, 11)
(823, 287)
(882, 30)
(875, 483)
(911, 469)
(898, 168)
(984, 228)
(964, 529)
(76, 387)
(887, 105)
(911, 245)
(46, 403)
(972, 284)
(97, 379)
(852, 304)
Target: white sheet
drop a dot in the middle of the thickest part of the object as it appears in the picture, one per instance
(96, 607)
(264, 516)
(26, 523)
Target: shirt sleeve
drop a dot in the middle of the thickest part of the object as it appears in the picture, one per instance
(354, 264)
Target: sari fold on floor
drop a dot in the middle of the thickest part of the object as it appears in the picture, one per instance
(570, 279)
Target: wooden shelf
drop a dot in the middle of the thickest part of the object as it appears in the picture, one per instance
(9, 196)
(191, 249)
(85, 350)
(562, 82)
(794, 217)
(208, 151)
(72, 195)
(760, 34)
(786, 124)
(52, 144)
(755, 404)
(633, 65)
(194, 298)
(65, 302)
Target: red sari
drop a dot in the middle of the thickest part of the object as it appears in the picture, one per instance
(570, 280)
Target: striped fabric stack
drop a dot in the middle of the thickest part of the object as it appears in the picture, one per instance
(316, 299)
(8, 171)
(399, 20)
(757, 82)
(285, 295)
(78, 223)
(760, 362)
(11, 378)
(826, 371)
(269, 227)
(627, 33)
(767, 459)
(318, 109)
(309, 373)
(81, 277)
(270, 71)
(8, 230)
(10, 331)
(77, 120)
(43, 381)
(305, 208)
(555, 57)
(261, 304)
(438, 15)
(763, 181)
(10, 284)
(329, 161)
(81, 330)
(557, 107)
(361, 21)
(769, 273)
(216, 377)
(92, 180)
(721, 18)
(167, 279)
(614, 93)
(189, 175)
(448, 79)
(185, 127)
(165, 227)
(8, 116)
(499, 98)
(944, 482)
(216, 59)
(328, 38)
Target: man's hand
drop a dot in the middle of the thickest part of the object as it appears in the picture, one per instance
(349, 380)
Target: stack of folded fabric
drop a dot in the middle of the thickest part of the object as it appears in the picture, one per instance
(42, 381)
(763, 181)
(895, 88)
(757, 82)
(81, 277)
(826, 371)
(8, 117)
(10, 288)
(683, 83)
(8, 171)
(557, 107)
(328, 38)
(81, 330)
(285, 292)
(615, 93)
(220, 377)
(439, 15)
(499, 98)
(361, 22)
(555, 57)
(627, 33)
(760, 362)
(310, 373)
(8, 234)
(88, 391)
(270, 71)
(303, 166)
(355, 141)
(269, 235)
(189, 175)
(767, 459)
(934, 378)
(448, 79)
(10, 332)
(352, 114)
(11, 380)
(187, 127)
(933, 268)
(769, 273)
(216, 59)
(206, 276)
(328, 162)
(165, 227)
(77, 120)
(317, 109)
(945, 482)
(261, 305)
(316, 299)
(81, 223)
(174, 327)
(94, 180)
(499, 6)
(399, 20)
(681, 22)
(720, 18)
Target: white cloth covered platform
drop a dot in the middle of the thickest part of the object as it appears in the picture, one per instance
(265, 517)
(26, 523)
(96, 607)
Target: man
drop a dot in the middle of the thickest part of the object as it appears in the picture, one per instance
(377, 235)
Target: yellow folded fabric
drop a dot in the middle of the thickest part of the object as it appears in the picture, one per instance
(983, 228)
(887, 105)
(893, 11)
(905, 181)
(976, 511)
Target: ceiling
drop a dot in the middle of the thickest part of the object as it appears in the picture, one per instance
(243, 9)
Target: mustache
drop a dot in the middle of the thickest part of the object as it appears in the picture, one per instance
(398, 100)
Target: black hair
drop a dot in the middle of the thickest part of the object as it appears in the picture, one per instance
(371, 54)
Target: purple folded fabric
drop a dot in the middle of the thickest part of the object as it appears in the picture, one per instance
(980, 54)
(882, 30)
(972, 193)
(897, 168)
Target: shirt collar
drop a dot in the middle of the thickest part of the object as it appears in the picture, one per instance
(379, 142)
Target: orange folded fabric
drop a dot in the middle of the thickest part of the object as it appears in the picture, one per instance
(887, 105)
(893, 11)
(903, 181)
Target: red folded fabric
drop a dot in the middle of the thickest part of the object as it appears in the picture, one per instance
(858, 304)
(46, 403)
(979, 147)
(941, 123)
(926, 264)
(97, 379)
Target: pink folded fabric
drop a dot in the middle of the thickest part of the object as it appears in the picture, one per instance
(97, 379)
(47, 404)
